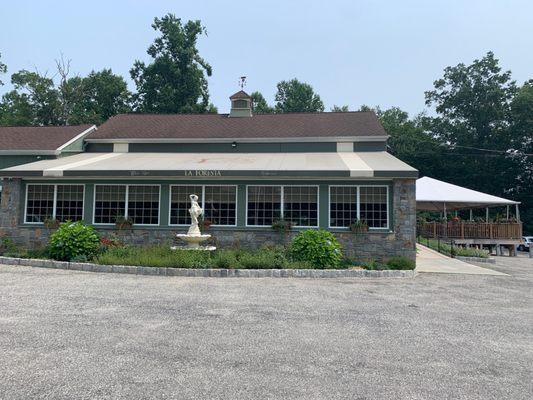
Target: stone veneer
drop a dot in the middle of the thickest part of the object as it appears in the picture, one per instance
(374, 245)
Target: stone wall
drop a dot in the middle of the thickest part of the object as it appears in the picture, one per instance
(374, 245)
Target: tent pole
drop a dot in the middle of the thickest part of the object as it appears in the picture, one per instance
(507, 213)
(517, 214)
(471, 215)
(445, 216)
(487, 214)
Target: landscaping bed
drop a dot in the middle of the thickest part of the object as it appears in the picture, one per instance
(76, 243)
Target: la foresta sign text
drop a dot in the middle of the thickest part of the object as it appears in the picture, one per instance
(208, 172)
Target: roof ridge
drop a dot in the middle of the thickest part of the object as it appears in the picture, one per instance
(44, 126)
(270, 114)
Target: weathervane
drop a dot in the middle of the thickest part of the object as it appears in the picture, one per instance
(242, 82)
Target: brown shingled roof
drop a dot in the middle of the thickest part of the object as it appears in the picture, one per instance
(38, 137)
(209, 126)
(241, 94)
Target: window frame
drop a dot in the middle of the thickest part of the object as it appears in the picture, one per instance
(282, 209)
(54, 205)
(358, 201)
(126, 208)
(202, 198)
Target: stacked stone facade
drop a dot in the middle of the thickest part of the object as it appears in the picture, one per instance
(373, 245)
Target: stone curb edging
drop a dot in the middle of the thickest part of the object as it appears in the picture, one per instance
(488, 260)
(205, 273)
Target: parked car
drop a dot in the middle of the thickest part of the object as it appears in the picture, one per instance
(528, 241)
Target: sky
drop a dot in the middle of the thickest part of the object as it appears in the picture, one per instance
(384, 53)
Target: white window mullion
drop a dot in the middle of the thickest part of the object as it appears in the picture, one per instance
(126, 202)
(54, 207)
(282, 207)
(203, 198)
(358, 203)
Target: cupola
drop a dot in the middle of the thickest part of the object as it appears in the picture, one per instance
(241, 104)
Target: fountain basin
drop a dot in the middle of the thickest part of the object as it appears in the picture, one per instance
(193, 242)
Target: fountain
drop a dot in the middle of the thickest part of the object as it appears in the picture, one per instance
(194, 237)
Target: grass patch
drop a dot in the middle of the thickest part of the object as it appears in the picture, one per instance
(445, 248)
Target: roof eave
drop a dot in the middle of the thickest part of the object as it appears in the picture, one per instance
(381, 138)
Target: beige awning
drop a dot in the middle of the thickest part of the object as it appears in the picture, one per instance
(348, 164)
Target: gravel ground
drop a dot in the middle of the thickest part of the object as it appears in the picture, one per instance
(78, 335)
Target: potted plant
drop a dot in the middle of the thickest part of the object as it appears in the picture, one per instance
(51, 223)
(123, 223)
(359, 226)
(282, 226)
(203, 223)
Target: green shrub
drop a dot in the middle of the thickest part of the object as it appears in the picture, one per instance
(263, 259)
(319, 248)
(40, 253)
(72, 240)
(400, 263)
(225, 259)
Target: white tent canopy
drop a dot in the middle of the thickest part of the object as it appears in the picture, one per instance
(435, 195)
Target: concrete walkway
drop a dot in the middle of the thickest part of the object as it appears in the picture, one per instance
(428, 260)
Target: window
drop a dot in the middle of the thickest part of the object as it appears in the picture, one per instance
(264, 205)
(39, 203)
(373, 206)
(61, 202)
(69, 203)
(109, 203)
(298, 204)
(142, 203)
(240, 104)
(342, 205)
(219, 203)
(350, 203)
(180, 203)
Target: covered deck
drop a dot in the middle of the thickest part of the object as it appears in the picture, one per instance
(437, 196)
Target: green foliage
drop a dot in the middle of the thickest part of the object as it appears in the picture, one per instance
(446, 248)
(296, 96)
(37, 100)
(403, 263)
(320, 248)
(260, 105)
(282, 225)
(3, 68)
(175, 81)
(359, 226)
(98, 96)
(73, 240)
(8, 247)
(337, 108)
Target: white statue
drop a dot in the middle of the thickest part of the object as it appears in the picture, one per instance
(196, 211)
(194, 237)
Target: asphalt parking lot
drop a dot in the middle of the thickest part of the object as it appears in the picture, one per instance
(79, 335)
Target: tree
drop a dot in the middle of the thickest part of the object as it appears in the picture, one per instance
(99, 96)
(410, 141)
(37, 96)
(260, 104)
(337, 108)
(175, 81)
(296, 96)
(473, 106)
(3, 68)
(522, 137)
(16, 110)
